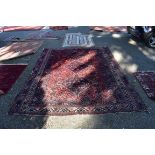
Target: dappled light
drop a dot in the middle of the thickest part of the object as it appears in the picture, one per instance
(131, 68)
(83, 82)
(149, 53)
(109, 28)
(132, 42)
(83, 66)
(116, 35)
(118, 55)
(131, 53)
(18, 49)
(99, 36)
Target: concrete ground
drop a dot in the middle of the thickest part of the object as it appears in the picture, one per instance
(131, 55)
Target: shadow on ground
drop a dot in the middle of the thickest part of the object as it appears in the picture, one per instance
(132, 55)
(19, 121)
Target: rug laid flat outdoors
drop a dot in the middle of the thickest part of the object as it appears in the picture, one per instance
(8, 75)
(20, 28)
(76, 81)
(109, 28)
(18, 49)
(147, 81)
(77, 39)
(58, 27)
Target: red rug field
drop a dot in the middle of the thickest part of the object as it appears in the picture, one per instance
(8, 76)
(59, 27)
(147, 81)
(76, 81)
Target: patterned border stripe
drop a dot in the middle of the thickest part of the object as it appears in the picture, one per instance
(147, 81)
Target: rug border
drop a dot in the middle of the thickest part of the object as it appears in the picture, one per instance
(141, 85)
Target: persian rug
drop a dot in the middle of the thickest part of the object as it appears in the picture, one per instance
(18, 49)
(58, 27)
(147, 81)
(9, 73)
(20, 28)
(77, 39)
(76, 81)
(42, 35)
(109, 28)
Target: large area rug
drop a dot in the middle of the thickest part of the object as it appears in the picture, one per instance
(8, 75)
(147, 81)
(76, 81)
(18, 49)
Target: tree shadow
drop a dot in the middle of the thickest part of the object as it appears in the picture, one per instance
(86, 80)
(18, 49)
(132, 55)
(20, 118)
(2, 44)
